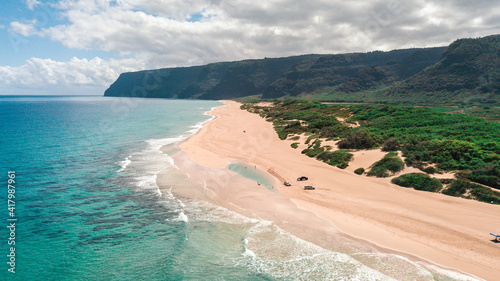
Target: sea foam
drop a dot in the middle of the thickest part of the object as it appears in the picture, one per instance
(125, 163)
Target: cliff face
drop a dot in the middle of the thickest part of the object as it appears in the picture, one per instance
(183, 82)
(212, 81)
(470, 66)
(274, 78)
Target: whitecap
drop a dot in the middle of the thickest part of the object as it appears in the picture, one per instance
(249, 253)
(181, 217)
(125, 163)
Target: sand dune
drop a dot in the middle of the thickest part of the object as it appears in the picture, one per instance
(451, 232)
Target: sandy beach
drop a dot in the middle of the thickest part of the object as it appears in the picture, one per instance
(450, 232)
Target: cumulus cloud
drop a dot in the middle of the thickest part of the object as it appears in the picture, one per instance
(24, 29)
(228, 30)
(46, 73)
(164, 33)
(32, 4)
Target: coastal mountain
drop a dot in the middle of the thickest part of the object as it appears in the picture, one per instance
(468, 69)
(212, 81)
(353, 72)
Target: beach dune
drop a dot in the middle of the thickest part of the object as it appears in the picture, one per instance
(450, 232)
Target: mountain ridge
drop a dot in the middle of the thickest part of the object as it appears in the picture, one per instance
(467, 68)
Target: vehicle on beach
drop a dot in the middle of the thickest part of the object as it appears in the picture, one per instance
(309, 187)
(287, 183)
(303, 178)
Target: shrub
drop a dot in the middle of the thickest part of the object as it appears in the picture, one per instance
(310, 138)
(293, 124)
(390, 145)
(457, 188)
(282, 134)
(315, 150)
(430, 170)
(295, 138)
(391, 163)
(418, 181)
(339, 158)
(333, 131)
(295, 145)
(358, 140)
(486, 195)
(294, 127)
(342, 165)
(487, 174)
(359, 171)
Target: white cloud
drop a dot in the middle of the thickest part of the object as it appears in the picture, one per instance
(159, 33)
(24, 29)
(32, 3)
(230, 30)
(39, 73)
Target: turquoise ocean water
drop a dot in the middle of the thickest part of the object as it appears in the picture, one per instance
(88, 208)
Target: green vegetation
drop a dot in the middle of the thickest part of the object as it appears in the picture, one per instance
(295, 145)
(468, 71)
(429, 139)
(429, 170)
(460, 187)
(451, 141)
(418, 181)
(487, 112)
(360, 139)
(390, 164)
(480, 164)
(339, 158)
(224, 80)
(345, 74)
(314, 149)
(391, 144)
(359, 171)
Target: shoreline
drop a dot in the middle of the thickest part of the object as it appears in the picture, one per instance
(418, 225)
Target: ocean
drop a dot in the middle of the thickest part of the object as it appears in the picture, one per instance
(84, 204)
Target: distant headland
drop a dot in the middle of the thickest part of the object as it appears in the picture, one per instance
(465, 71)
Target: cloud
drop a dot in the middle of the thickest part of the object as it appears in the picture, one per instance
(39, 73)
(165, 33)
(32, 3)
(229, 30)
(24, 29)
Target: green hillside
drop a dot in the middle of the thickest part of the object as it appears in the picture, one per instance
(213, 81)
(276, 77)
(469, 69)
(464, 74)
(353, 72)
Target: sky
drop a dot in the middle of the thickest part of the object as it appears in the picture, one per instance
(81, 46)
